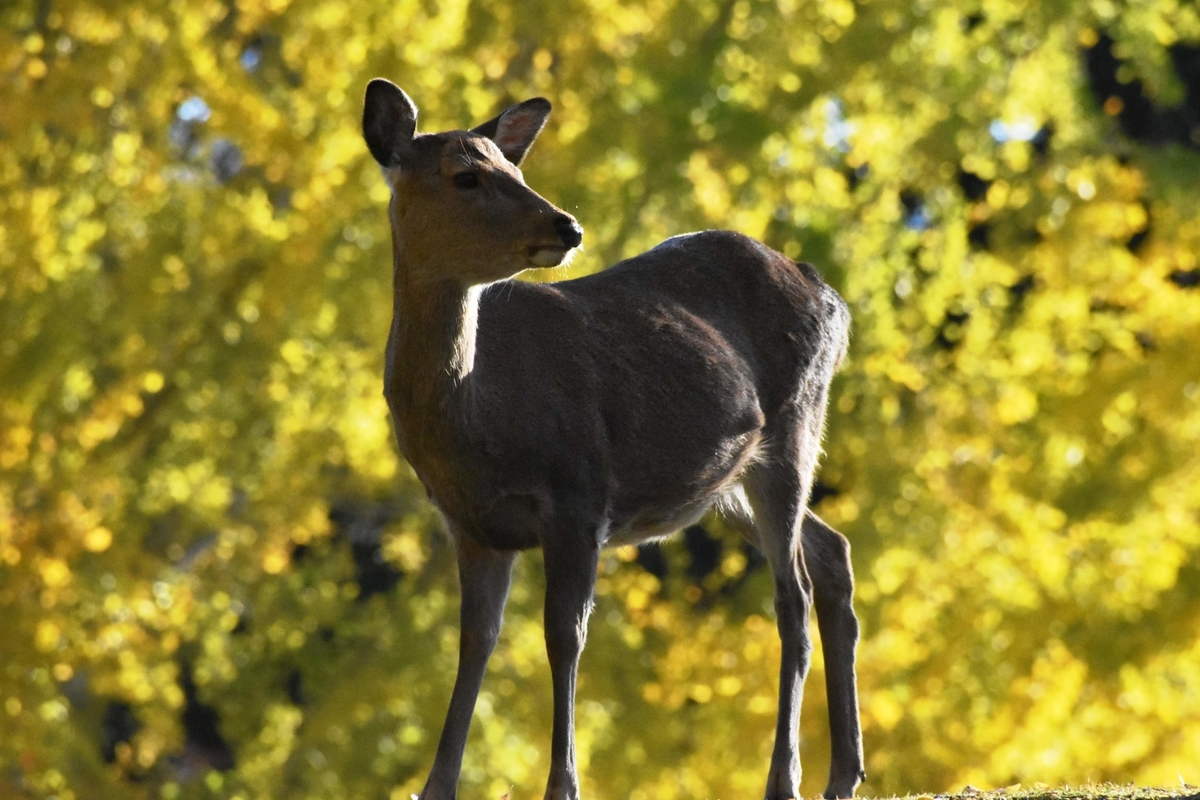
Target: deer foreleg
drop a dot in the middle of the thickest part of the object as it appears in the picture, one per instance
(484, 574)
(570, 580)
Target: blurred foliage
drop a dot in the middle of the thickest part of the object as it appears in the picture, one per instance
(217, 578)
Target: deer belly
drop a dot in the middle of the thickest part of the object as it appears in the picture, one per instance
(661, 502)
(655, 524)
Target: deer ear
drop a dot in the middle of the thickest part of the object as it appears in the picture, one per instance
(389, 122)
(516, 127)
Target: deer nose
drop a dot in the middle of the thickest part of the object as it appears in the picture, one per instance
(568, 230)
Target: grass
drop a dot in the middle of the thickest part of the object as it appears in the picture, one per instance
(1093, 791)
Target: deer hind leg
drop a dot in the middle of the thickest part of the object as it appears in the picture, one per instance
(777, 489)
(827, 557)
(484, 575)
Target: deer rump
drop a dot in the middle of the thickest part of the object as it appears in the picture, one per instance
(639, 395)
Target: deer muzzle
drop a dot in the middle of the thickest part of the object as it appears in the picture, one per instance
(570, 236)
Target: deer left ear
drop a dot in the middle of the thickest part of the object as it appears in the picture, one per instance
(389, 122)
(515, 129)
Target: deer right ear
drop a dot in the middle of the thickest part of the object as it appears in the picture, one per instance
(516, 127)
(389, 122)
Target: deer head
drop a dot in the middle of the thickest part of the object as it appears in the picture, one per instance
(460, 208)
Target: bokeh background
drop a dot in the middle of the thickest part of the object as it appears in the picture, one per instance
(217, 578)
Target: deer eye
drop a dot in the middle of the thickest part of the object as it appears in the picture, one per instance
(466, 180)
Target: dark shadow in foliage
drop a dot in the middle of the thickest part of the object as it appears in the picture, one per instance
(949, 332)
(821, 491)
(650, 558)
(1041, 141)
(300, 552)
(362, 524)
(262, 58)
(1117, 640)
(1100, 306)
(855, 175)
(704, 556)
(294, 686)
(1186, 60)
(974, 188)
(204, 748)
(916, 215)
(1017, 294)
(979, 235)
(117, 727)
(1135, 242)
(1021, 288)
(704, 551)
(1136, 113)
(1185, 278)
(755, 560)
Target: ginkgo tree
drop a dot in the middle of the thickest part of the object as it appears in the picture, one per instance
(219, 579)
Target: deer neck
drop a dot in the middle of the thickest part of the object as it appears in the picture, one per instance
(431, 354)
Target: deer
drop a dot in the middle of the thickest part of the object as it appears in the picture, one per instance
(607, 410)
